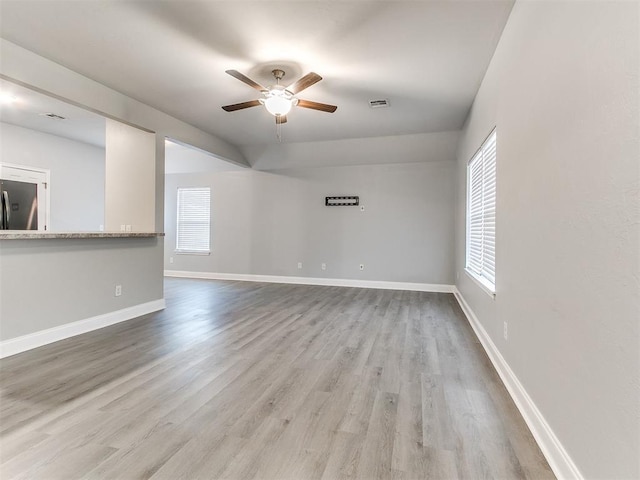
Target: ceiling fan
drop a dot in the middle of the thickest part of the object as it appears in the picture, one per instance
(277, 99)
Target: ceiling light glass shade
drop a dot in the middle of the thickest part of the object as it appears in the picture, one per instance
(277, 105)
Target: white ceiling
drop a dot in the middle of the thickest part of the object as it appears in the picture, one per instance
(427, 57)
(180, 158)
(28, 109)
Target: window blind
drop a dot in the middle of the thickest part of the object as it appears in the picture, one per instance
(193, 226)
(481, 213)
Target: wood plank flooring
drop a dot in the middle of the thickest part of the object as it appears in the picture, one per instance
(239, 380)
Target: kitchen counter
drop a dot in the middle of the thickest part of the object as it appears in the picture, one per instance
(33, 235)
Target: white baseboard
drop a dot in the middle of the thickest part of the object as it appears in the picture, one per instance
(50, 335)
(332, 282)
(558, 458)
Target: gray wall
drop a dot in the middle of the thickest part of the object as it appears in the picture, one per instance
(47, 283)
(266, 222)
(562, 89)
(77, 174)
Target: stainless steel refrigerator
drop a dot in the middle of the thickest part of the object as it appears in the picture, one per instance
(19, 205)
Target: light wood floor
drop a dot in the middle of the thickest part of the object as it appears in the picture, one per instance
(242, 380)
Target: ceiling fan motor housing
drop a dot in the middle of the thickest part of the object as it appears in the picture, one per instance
(278, 74)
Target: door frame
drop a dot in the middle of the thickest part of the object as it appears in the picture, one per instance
(44, 188)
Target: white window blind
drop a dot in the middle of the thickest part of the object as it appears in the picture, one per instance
(481, 214)
(194, 212)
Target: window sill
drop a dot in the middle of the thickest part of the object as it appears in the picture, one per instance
(187, 252)
(481, 283)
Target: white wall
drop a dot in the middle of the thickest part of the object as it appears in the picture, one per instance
(76, 169)
(130, 176)
(562, 89)
(266, 222)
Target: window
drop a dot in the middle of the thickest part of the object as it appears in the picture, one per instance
(194, 211)
(481, 214)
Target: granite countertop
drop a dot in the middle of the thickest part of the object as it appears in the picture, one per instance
(32, 235)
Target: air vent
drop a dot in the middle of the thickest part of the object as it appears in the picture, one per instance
(53, 115)
(379, 103)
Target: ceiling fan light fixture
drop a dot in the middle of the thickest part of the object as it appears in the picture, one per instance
(278, 105)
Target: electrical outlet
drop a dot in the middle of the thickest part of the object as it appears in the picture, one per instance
(323, 266)
(170, 259)
(299, 265)
(128, 228)
(505, 331)
(118, 291)
(362, 266)
(123, 228)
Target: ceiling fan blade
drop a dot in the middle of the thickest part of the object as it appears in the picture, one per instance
(240, 106)
(305, 82)
(323, 107)
(280, 119)
(245, 79)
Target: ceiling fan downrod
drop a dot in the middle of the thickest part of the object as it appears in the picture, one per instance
(278, 74)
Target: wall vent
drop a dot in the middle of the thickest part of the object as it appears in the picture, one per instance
(53, 116)
(379, 103)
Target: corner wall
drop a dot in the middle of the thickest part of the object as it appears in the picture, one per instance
(563, 90)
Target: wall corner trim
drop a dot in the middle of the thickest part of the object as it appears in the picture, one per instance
(17, 345)
(558, 458)
(331, 282)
